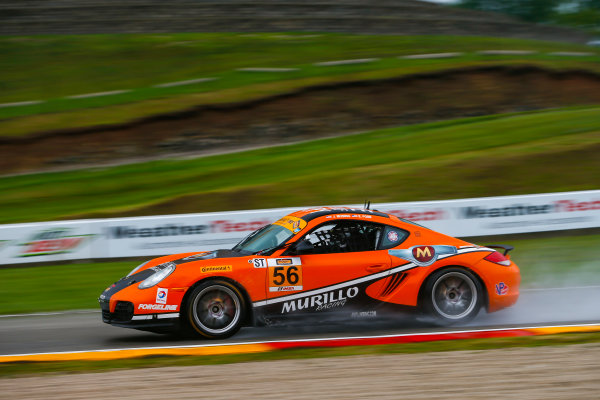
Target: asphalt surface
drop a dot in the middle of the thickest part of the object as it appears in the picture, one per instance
(84, 330)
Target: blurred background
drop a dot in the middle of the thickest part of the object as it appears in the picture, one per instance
(121, 108)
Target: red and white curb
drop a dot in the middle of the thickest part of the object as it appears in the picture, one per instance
(261, 347)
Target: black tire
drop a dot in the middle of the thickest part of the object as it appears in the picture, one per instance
(452, 296)
(215, 309)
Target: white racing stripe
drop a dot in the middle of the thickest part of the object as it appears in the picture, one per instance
(151, 316)
(360, 280)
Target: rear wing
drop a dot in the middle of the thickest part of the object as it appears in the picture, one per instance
(505, 247)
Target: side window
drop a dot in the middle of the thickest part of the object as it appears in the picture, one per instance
(392, 237)
(344, 237)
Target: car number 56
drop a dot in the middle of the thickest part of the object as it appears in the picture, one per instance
(285, 275)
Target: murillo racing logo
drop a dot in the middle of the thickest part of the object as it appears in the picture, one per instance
(319, 302)
(52, 241)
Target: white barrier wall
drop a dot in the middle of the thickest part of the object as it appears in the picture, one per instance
(158, 235)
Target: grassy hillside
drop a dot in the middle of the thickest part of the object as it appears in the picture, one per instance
(52, 68)
(493, 155)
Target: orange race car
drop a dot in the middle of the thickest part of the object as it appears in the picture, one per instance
(333, 263)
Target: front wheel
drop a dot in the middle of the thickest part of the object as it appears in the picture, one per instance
(215, 309)
(453, 296)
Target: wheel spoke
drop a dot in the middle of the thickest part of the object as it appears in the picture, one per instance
(454, 295)
(216, 309)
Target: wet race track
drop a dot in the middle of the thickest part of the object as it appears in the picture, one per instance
(84, 330)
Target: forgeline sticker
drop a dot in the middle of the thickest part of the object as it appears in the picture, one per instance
(161, 295)
(294, 224)
(159, 307)
(217, 268)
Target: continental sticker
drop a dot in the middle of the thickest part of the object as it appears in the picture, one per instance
(294, 224)
(216, 268)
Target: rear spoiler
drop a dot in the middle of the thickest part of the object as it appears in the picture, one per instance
(505, 247)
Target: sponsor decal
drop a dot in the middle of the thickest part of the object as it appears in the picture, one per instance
(216, 268)
(501, 288)
(364, 314)
(515, 210)
(423, 255)
(425, 215)
(294, 224)
(274, 262)
(320, 302)
(393, 236)
(509, 211)
(571, 205)
(161, 295)
(258, 262)
(52, 241)
(158, 307)
(220, 226)
(288, 276)
(285, 288)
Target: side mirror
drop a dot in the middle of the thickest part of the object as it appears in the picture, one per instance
(303, 246)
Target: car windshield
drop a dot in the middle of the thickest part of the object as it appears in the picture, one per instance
(267, 237)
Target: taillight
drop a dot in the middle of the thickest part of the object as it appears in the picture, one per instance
(497, 258)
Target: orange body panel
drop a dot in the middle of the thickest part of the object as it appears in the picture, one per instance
(269, 278)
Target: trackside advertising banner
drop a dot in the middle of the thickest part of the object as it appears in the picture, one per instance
(158, 235)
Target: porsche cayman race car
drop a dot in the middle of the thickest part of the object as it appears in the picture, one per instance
(326, 263)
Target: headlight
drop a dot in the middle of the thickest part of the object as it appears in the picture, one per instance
(136, 269)
(161, 272)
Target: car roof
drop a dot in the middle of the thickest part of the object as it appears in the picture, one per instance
(312, 213)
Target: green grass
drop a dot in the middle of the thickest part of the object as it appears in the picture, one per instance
(544, 262)
(9, 370)
(492, 155)
(54, 67)
(59, 287)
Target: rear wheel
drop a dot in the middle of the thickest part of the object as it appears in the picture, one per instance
(453, 296)
(215, 309)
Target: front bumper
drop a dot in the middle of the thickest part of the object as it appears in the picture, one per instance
(123, 316)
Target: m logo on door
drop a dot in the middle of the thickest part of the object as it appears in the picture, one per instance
(423, 254)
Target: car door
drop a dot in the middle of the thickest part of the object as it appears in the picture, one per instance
(331, 275)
